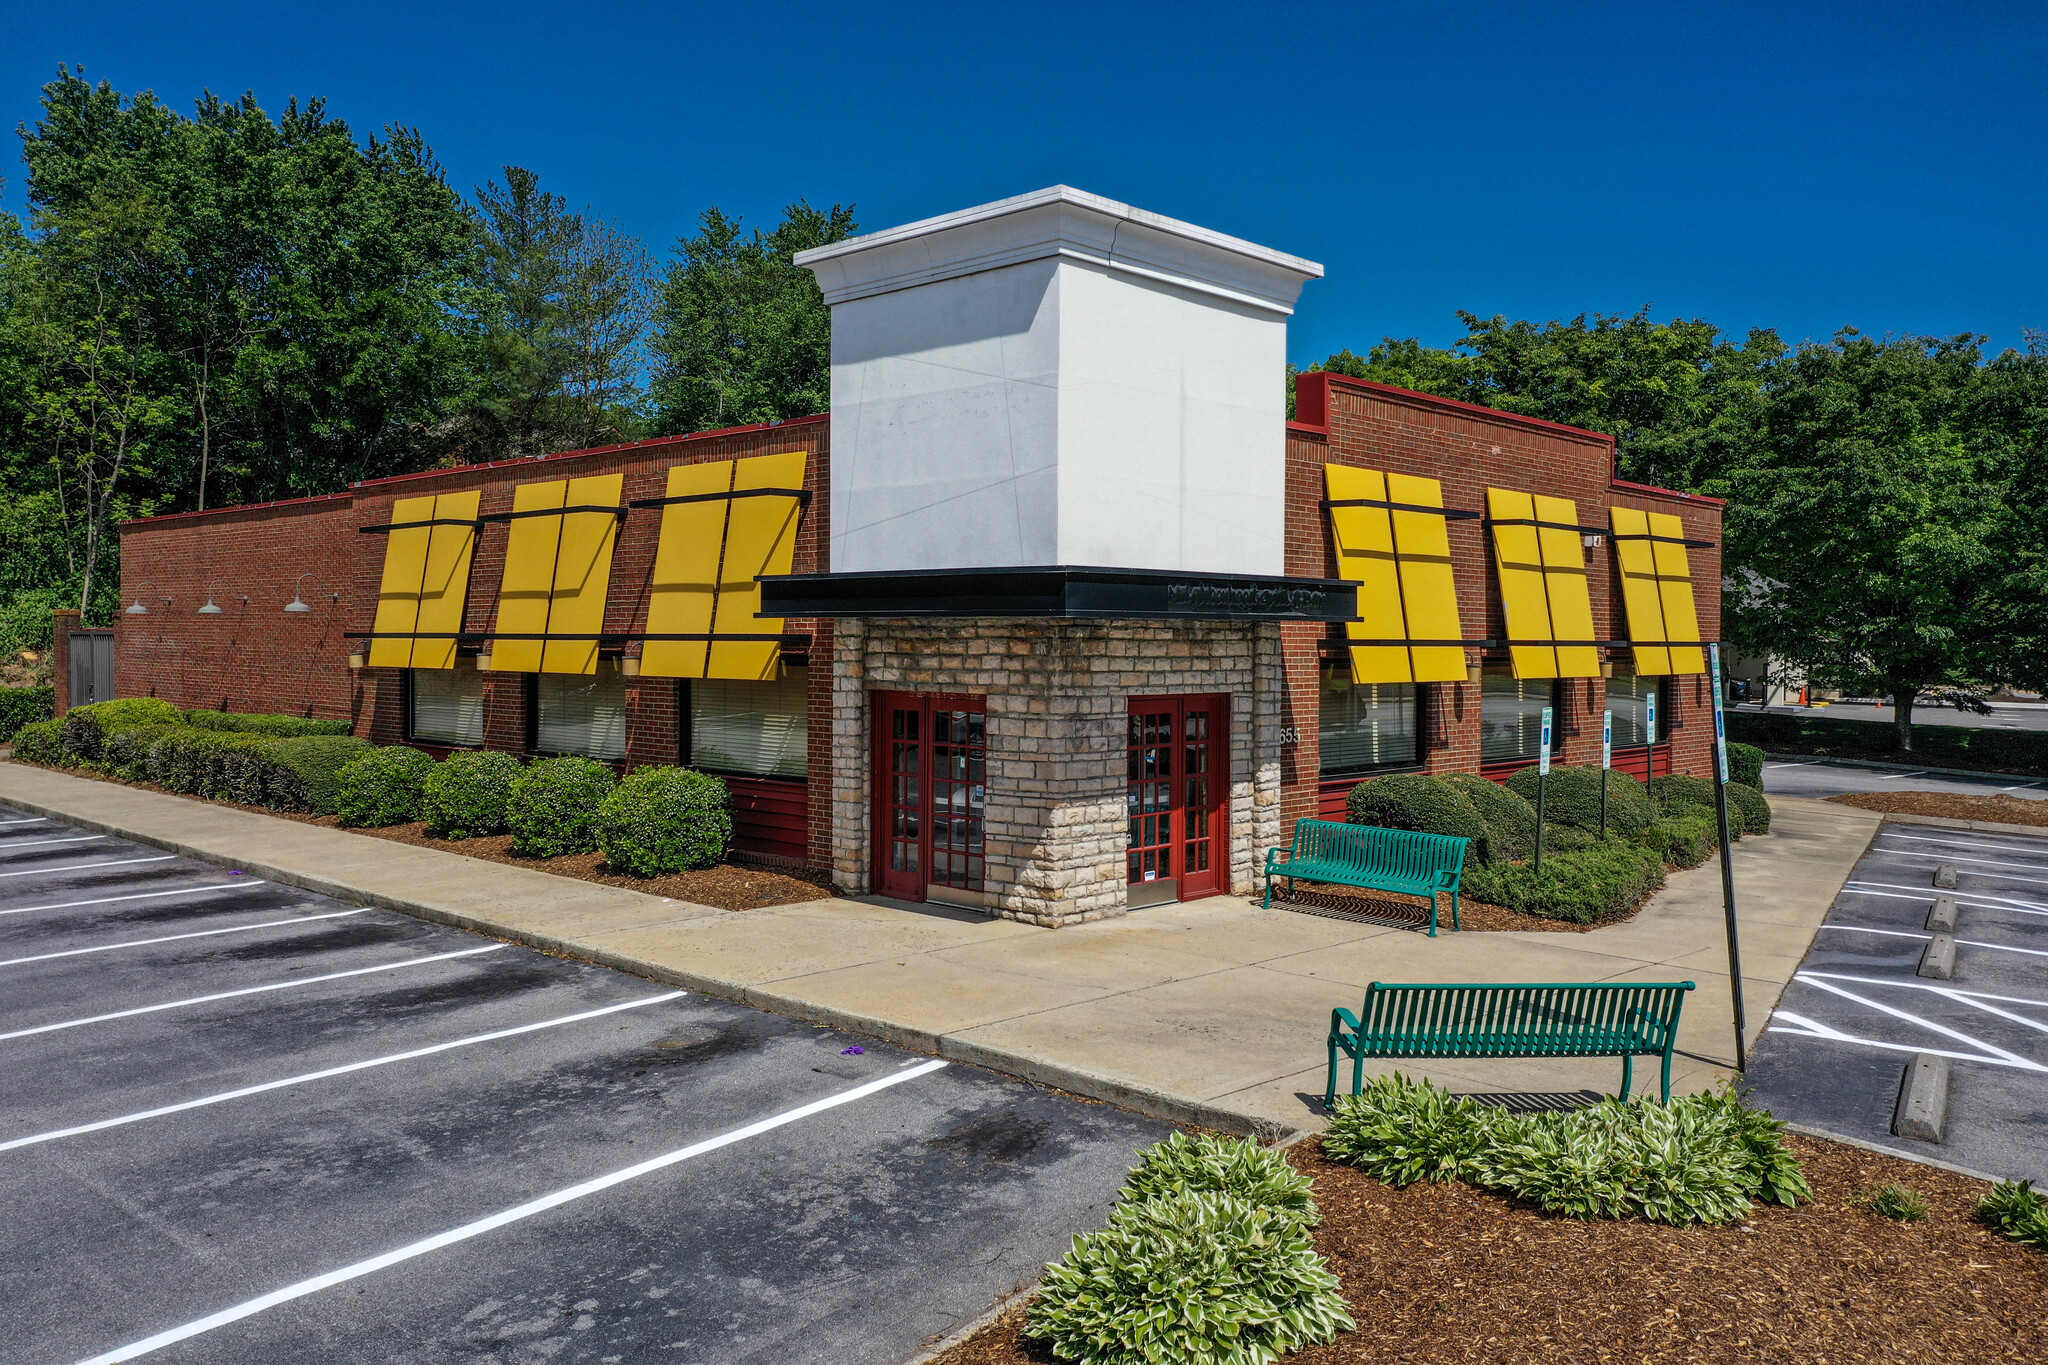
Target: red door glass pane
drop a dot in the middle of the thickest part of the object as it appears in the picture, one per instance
(1195, 794)
(959, 770)
(1150, 800)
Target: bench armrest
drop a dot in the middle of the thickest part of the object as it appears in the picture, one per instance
(1339, 1017)
(1273, 853)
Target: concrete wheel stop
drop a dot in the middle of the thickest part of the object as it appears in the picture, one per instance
(1943, 916)
(1939, 959)
(1922, 1112)
(1945, 877)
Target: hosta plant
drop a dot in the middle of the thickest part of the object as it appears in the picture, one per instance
(1188, 1279)
(2019, 1211)
(1240, 1167)
(1400, 1131)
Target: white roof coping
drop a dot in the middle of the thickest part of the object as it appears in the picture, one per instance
(1060, 221)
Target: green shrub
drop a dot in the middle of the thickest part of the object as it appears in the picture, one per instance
(1192, 1279)
(2019, 1211)
(1400, 1131)
(1509, 819)
(381, 787)
(468, 793)
(86, 727)
(305, 773)
(1681, 789)
(1686, 837)
(21, 706)
(127, 750)
(247, 769)
(1238, 1167)
(1410, 801)
(1582, 885)
(1748, 805)
(1746, 765)
(258, 723)
(42, 741)
(664, 820)
(554, 806)
(187, 760)
(1942, 746)
(1704, 1158)
(1574, 799)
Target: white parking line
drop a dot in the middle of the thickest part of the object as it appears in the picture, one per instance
(242, 885)
(2035, 846)
(497, 1220)
(307, 1076)
(1978, 899)
(2012, 1058)
(39, 820)
(1962, 942)
(1960, 858)
(1928, 986)
(1808, 764)
(80, 867)
(1813, 1029)
(43, 843)
(251, 990)
(173, 938)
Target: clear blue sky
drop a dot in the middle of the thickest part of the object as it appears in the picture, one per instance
(1802, 166)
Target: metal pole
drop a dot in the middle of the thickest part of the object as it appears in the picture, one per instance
(1727, 860)
(1542, 784)
(1606, 762)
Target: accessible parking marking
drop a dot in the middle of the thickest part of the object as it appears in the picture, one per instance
(250, 1307)
(252, 990)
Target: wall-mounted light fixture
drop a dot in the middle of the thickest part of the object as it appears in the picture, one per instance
(138, 609)
(298, 602)
(210, 609)
(1475, 669)
(483, 659)
(355, 660)
(629, 666)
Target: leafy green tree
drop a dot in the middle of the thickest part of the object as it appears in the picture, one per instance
(1680, 398)
(743, 335)
(1866, 524)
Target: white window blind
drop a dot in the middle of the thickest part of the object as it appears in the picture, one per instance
(1366, 725)
(1511, 716)
(755, 728)
(447, 706)
(583, 713)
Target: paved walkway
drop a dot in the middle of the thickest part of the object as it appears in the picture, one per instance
(1211, 1013)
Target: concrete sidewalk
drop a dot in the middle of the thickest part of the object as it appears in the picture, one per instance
(1210, 1013)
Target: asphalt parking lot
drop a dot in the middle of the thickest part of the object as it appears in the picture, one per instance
(1819, 778)
(1857, 1009)
(240, 1122)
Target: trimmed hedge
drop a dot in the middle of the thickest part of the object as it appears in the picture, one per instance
(1686, 837)
(1581, 885)
(1574, 799)
(259, 723)
(467, 794)
(1942, 746)
(1746, 764)
(42, 741)
(1750, 805)
(21, 706)
(381, 787)
(305, 773)
(86, 727)
(127, 751)
(1509, 819)
(554, 803)
(187, 760)
(1409, 801)
(1748, 811)
(663, 819)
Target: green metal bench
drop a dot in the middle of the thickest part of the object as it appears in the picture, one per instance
(1403, 861)
(1523, 1019)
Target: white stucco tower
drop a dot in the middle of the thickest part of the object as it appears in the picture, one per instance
(1057, 379)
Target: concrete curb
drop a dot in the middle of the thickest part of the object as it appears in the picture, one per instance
(1038, 1071)
(1977, 773)
(1979, 826)
(1805, 1130)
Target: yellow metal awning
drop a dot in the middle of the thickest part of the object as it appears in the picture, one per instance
(724, 525)
(558, 563)
(425, 586)
(1394, 544)
(1656, 586)
(1541, 562)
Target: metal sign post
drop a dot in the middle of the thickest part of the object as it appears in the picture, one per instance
(1650, 728)
(1542, 782)
(1727, 858)
(1606, 762)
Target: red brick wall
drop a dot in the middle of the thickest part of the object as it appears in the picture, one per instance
(257, 657)
(1469, 449)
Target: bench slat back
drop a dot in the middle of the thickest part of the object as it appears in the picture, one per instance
(1529, 1019)
(1403, 852)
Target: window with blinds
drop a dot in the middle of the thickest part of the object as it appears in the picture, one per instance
(581, 714)
(1629, 699)
(1511, 717)
(445, 706)
(1366, 725)
(757, 729)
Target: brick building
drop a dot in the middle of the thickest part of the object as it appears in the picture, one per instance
(1053, 616)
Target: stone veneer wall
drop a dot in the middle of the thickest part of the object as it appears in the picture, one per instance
(1057, 701)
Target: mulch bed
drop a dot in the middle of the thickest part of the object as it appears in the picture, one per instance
(1449, 1273)
(2004, 810)
(728, 886)
(1351, 902)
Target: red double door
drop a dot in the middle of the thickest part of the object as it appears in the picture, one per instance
(931, 796)
(1176, 756)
